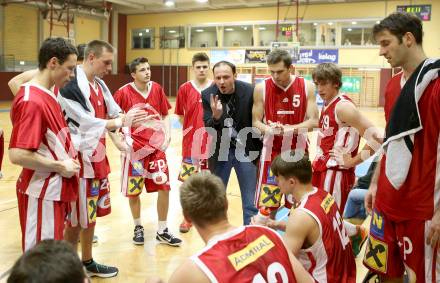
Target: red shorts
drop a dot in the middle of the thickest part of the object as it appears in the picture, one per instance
(338, 183)
(268, 194)
(190, 166)
(93, 201)
(151, 172)
(40, 219)
(394, 247)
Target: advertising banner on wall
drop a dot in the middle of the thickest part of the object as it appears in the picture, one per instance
(317, 56)
(256, 55)
(235, 56)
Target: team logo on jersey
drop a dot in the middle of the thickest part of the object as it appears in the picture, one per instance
(377, 225)
(137, 168)
(270, 177)
(327, 203)
(135, 185)
(92, 208)
(251, 252)
(94, 188)
(376, 255)
(270, 196)
(285, 100)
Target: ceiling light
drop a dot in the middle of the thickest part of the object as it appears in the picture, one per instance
(315, 24)
(202, 1)
(262, 28)
(330, 24)
(169, 3)
(147, 30)
(199, 30)
(140, 34)
(377, 22)
(353, 23)
(245, 28)
(172, 31)
(229, 29)
(349, 29)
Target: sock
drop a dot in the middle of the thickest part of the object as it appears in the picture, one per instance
(137, 222)
(350, 228)
(162, 226)
(87, 262)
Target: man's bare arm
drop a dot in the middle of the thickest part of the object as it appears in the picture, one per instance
(15, 83)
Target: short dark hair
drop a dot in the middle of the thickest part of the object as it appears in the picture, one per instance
(56, 47)
(97, 47)
(227, 63)
(136, 62)
(399, 23)
(327, 72)
(203, 199)
(200, 57)
(300, 169)
(279, 55)
(49, 261)
(81, 48)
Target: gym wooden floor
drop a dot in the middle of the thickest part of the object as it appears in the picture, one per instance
(115, 232)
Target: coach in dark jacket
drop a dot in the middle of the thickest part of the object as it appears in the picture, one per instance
(227, 107)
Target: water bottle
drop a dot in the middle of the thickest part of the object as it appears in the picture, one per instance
(262, 217)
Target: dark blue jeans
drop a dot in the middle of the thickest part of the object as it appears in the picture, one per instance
(247, 180)
(355, 208)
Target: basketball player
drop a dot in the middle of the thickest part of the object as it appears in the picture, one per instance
(315, 232)
(145, 162)
(190, 110)
(232, 254)
(405, 226)
(42, 145)
(2, 150)
(90, 110)
(284, 110)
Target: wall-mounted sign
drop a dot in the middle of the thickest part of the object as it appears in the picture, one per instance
(349, 84)
(235, 56)
(317, 56)
(423, 12)
(256, 55)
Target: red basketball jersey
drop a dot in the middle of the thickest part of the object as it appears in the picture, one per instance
(392, 92)
(334, 134)
(98, 162)
(287, 106)
(38, 125)
(246, 254)
(155, 102)
(189, 105)
(330, 258)
(419, 195)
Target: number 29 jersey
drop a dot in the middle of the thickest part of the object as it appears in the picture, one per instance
(246, 254)
(330, 258)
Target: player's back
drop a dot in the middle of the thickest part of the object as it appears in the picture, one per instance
(245, 254)
(330, 258)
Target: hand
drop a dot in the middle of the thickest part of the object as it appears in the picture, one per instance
(216, 107)
(119, 142)
(135, 117)
(342, 157)
(275, 128)
(370, 197)
(69, 167)
(433, 238)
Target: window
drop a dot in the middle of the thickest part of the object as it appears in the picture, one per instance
(357, 33)
(203, 37)
(142, 38)
(286, 33)
(238, 36)
(172, 37)
(307, 34)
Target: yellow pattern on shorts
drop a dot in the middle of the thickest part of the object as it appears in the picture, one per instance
(186, 170)
(135, 186)
(92, 206)
(376, 255)
(270, 196)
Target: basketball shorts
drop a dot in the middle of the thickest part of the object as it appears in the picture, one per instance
(40, 219)
(338, 183)
(190, 166)
(93, 201)
(150, 172)
(395, 247)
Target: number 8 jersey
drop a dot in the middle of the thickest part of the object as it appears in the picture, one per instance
(246, 254)
(330, 258)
